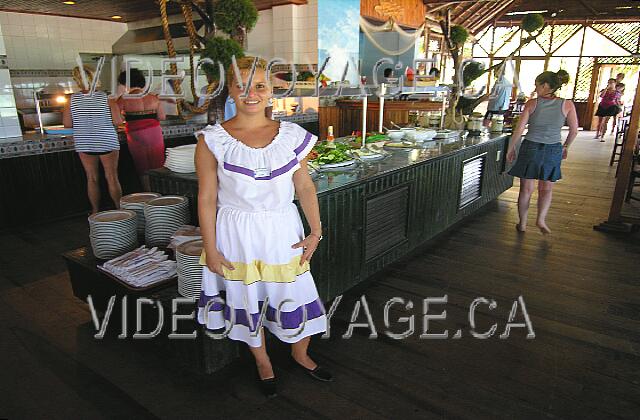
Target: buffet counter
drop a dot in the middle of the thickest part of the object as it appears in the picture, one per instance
(345, 115)
(32, 143)
(43, 179)
(381, 211)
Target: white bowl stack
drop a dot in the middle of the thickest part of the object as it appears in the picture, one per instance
(163, 217)
(136, 202)
(189, 268)
(181, 159)
(113, 233)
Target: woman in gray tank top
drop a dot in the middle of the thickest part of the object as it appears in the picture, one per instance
(542, 151)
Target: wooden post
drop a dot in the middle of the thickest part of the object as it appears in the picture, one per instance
(615, 222)
(575, 82)
(593, 97)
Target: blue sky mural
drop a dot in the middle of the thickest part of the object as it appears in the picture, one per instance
(338, 37)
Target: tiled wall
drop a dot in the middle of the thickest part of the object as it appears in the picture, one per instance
(289, 32)
(53, 42)
(41, 50)
(9, 124)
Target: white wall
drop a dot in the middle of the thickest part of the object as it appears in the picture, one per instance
(39, 42)
(9, 123)
(289, 32)
(41, 50)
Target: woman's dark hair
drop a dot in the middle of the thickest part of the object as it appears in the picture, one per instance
(555, 80)
(136, 76)
(434, 72)
(388, 72)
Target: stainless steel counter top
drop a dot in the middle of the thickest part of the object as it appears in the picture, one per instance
(397, 159)
(31, 143)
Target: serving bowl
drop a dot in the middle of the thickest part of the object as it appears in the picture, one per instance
(409, 132)
(424, 135)
(395, 134)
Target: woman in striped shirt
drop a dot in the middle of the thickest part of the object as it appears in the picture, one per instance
(93, 118)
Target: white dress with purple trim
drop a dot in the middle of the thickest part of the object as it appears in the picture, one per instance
(256, 225)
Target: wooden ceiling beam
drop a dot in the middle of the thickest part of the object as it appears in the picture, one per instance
(481, 14)
(499, 11)
(470, 11)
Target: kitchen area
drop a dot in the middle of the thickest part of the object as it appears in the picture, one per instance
(423, 285)
(391, 145)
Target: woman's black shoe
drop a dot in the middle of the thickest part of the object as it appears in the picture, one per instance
(268, 387)
(319, 373)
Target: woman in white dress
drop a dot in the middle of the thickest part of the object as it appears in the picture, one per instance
(255, 251)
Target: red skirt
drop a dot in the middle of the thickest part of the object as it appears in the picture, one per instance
(146, 144)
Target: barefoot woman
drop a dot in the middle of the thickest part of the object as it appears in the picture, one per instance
(542, 150)
(255, 248)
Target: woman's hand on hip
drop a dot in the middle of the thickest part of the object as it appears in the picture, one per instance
(216, 261)
(309, 244)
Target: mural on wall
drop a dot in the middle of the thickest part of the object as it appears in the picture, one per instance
(390, 9)
(338, 37)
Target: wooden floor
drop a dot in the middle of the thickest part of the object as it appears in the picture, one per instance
(581, 289)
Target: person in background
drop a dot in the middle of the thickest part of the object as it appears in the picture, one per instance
(608, 107)
(434, 72)
(620, 88)
(144, 134)
(93, 118)
(388, 75)
(542, 151)
(619, 77)
(500, 98)
(255, 248)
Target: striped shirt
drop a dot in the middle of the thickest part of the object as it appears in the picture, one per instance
(93, 129)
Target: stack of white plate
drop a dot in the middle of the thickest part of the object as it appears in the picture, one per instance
(136, 202)
(113, 233)
(189, 268)
(181, 159)
(163, 217)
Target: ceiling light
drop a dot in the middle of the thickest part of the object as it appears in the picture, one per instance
(61, 99)
(526, 12)
(624, 7)
(554, 14)
(116, 17)
(70, 3)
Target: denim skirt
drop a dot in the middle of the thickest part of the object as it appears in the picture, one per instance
(538, 161)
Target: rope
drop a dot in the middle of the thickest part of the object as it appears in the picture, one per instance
(367, 28)
(171, 49)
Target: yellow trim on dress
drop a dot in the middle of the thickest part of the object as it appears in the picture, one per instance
(258, 270)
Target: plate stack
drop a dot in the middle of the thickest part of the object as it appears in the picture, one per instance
(163, 217)
(189, 268)
(181, 159)
(113, 233)
(136, 202)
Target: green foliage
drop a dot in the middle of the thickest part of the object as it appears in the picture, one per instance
(220, 49)
(230, 15)
(466, 105)
(532, 22)
(471, 72)
(459, 35)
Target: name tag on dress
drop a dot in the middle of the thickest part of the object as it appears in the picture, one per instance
(262, 173)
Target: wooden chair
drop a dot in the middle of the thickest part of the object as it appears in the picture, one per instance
(620, 136)
(635, 174)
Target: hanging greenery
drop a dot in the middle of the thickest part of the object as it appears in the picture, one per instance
(459, 35)
(471, 72)
(220, 49)
(532, 22)
(234, 17)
